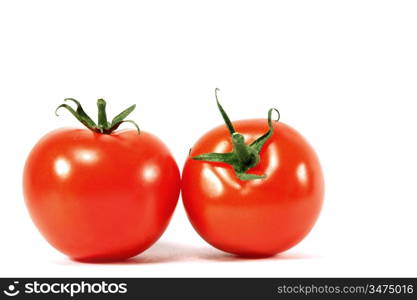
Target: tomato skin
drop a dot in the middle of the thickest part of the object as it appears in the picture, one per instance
(100, 197)
(257, 217)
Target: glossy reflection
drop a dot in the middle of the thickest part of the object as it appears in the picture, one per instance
(213, 186)
(150, 173)
(86, 155)
(62, 167)
(302, 173)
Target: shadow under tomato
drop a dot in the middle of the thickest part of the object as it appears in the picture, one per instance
(168, 252)
(161, 252)
(227, 257)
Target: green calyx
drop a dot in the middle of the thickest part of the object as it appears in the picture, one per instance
(103, 126)
(243, 157)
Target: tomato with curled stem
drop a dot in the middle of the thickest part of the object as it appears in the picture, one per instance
(98, 194)
(252, 188)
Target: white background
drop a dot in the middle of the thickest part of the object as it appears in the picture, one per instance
(343, 73)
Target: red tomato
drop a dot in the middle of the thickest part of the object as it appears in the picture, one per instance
(100, 196)
(259, 217)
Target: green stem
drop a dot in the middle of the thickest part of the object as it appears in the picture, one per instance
(241, 149)
(102, 116)
(243, 157)
(102, 126)
(224, 115)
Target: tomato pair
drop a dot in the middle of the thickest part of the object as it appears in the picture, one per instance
(252, 188)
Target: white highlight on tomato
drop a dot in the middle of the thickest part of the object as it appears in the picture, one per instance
(213, 185)
(62, 167)
(150, 173)
(87, 156)
(302, 173)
